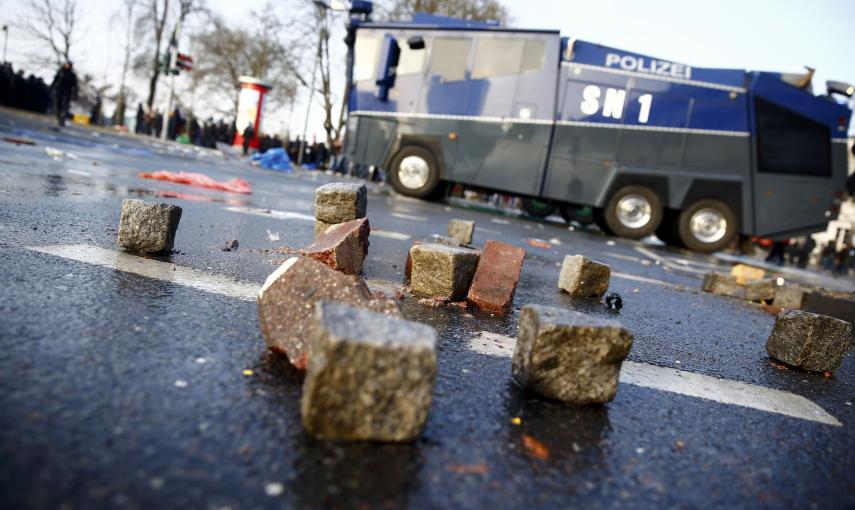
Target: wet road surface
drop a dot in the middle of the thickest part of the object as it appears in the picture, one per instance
(126, 387)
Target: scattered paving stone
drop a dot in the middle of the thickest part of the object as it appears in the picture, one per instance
(442, 271)
(790, 296)
(760, 290)
(370, 376)
(342, 247)
(461, 230)
(569, 356)
(809, 341)
(231, 245)
(614, 301)
(583, 277)
(338, 202)
(148, 227)
(723, 285)
(496, 276)
(745, 274)
(321, 227)
(286, 303)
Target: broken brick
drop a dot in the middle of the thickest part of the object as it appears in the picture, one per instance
(342, 247)
(286, 303)
(496, 276)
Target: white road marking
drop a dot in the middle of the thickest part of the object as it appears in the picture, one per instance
(636, 278)
(690, 384)
(667, 263)
(272, 213)
(155, 269)
(408, 216)
(500, 221)
(621, 257)
(389, 234)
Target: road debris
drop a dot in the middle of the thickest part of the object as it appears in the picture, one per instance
(18, 141)
(274, 489)
(809, 341)
(236, 185)
(496, 277)
(583, 277)
(461, 230)
(148, 227)
(231, 245)
(247, 372)
(790, 296)
(539, 243)
(614, 301)
(343, 246)
(535, 448)
(760, 290)
(369, 377)
(745, 274)
(469, 469)
(273, 236)
(339, 202)
(287, 299)
(569, 356)
(442, 271)
(723, 285)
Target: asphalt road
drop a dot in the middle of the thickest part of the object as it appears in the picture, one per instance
(119, 390)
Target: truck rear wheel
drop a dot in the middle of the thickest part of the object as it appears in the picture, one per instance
(708, 225)
(633, 212)
(537, 207)
(583, 215)
(414, 172)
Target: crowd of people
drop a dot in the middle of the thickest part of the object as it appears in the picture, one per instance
(17, 90)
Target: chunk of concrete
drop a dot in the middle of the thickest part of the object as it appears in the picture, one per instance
(760, 290)
(442, 271)
(569, 356)
(809, 341)
(461, 230)
(790, 296)
(496, 276)
(342, 246)
(148, 227)
(370, 376)
(723, 285)
(338, 202)
(286, 303)
(745, 274)
(583, 277)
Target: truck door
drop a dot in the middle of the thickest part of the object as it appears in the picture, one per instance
(795, 176)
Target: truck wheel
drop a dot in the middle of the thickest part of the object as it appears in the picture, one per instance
(414, 172)
(708, 225)
(583, 215)
(668, 229)
(536, 207)
(633, 212)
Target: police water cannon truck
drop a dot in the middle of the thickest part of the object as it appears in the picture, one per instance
(697, 156)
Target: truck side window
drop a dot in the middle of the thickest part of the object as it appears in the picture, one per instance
(496, 56)
(788, 143)
(365, 57)
(448, 58)
(533, 55)
(411, 61)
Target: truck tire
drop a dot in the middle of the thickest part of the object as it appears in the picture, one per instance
(536, 207)
(582, 215)
(708, 225)
(414, 172)
(600, 221)
(633, 212)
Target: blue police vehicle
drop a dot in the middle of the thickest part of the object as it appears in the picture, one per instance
(695, 155)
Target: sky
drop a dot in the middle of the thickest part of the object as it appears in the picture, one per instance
(769, 35)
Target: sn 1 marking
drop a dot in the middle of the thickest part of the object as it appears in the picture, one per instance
(613, 103)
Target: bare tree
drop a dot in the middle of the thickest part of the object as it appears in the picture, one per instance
(154, 22)
(125, 18)
(481, 10)
(52, 23)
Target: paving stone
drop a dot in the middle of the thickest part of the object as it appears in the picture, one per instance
(286, 303)
(583, 277)
(342, 246)
(148, 227)
(790, 296)
(570, 356)
(434, 239)
(321, 227)
(745, 274)
(496, 276)
(442, 271)
(461, 230)
(370, 376)
(723, 285)
(760, 290)
(338, 202)
(809, 341)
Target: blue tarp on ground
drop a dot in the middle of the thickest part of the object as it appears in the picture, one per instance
(274, 159)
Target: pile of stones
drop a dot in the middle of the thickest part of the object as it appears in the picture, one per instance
(749, 283)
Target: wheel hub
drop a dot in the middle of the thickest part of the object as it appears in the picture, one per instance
(634, 211)
(413, 172)
(708, 225)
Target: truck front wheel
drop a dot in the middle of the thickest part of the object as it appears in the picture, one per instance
(633, 212)
(708, 225)
(414, 172)
(537, 207)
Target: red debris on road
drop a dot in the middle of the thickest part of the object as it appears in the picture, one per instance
(236, 185)
(496, 277)
(342, 247)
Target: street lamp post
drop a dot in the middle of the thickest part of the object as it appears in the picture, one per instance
(5, 41)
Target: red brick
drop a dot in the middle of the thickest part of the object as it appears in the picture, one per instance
(496, 277)
(342, 246)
